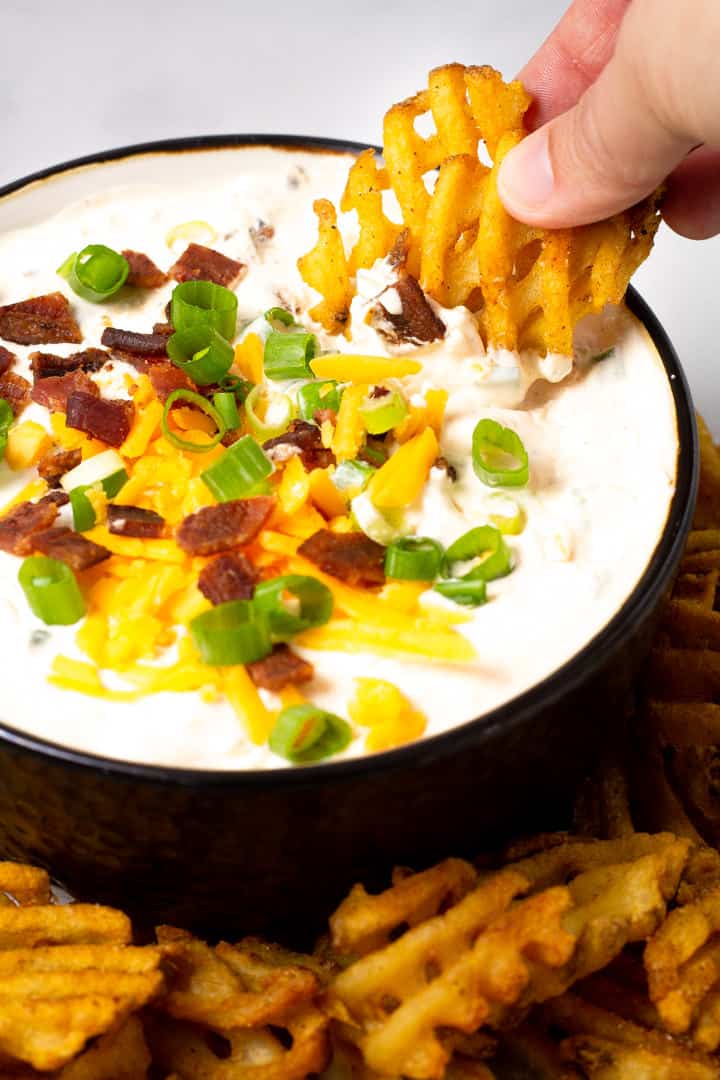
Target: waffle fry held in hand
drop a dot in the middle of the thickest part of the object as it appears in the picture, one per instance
(528, 288)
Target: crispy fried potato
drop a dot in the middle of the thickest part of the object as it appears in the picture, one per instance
(71, 924)
(23, 885)
(119, 1055)
(529, 287)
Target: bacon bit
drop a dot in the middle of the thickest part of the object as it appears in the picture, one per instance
(220, 528)
(144, 274)
(70, 547)
(54, 391)
(200, 263)
(304, 439)
(109, 421)
(165, 378)
(7, 359)
(135, 521)
(325, 416)
(351, 557)
(379, 392)
(416, 322)
(281, 668)
(443, 464)
(41, 320)
(45, 365)
(53, 465)
(141, 350)
(57, 498)
(165, 328)
(229, 577)
(19, 526)
(15, 390)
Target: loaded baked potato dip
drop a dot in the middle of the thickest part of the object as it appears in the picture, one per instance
(262, 510)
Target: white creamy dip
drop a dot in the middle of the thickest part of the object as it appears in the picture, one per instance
(601, 440)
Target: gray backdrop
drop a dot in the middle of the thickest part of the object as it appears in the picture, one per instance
(78, 77)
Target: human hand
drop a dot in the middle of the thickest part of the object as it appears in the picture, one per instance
(627, 94)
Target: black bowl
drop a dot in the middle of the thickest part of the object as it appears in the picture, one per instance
(253, 851)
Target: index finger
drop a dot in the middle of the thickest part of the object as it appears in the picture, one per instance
(572, 57)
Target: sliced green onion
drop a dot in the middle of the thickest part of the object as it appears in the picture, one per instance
(6, 418)
(226, 404)
(305, 733)
(382, 526)
(95, 273)
(52, 591)
(376, 455)
(203, 303)
(83, 511)
(485, 541)
(203, 354)
(381, 414)
(293, 603)
(352, 476)
(232, 633)
(279, 315)
(237, 386)
(287, 356)
(238, 472)
(414, 558)
(506, 515)
(469, 591)
(198, 402)
(314, 396)
(107, 468)
(277, 414)
(498, 455)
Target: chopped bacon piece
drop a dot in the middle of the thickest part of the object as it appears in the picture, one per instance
(142, 350)
(220, 528)
(70, 547)
(45, 365)
(165, 328)
(200, 263)
(55, 463)
(7, 359)
(144, 274)
(57, 498)
(42, 320)
(281, 668)
(304, 439)
(165, 378)
(15, 390)
(135, 521)
(416, 322)
(229, 577)
(109, 421)
(323, 416)
(352, 557)
(54, 391)
(19, 526)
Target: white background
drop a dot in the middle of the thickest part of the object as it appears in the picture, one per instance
(79, 77)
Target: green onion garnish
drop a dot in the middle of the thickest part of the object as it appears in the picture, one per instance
(83, 511)
(381, 414)
(293, 603)
(201, 353)
(275, 315)
(278, 412)
(376, 455)
(304, 733)
(238, 472)
(95, 273)
(6, 418)
(498, 455)
(287, 356)
(198, 402)
(469, 591)
(106, 468)
(112, 484)
(507, 515)
(352, 476)
(232, 633)
(314, 396)
(203, 303)
(414, 558)
(226, 404)
(484, 542)
(51, 591)
(237, 386)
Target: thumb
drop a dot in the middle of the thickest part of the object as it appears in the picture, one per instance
(627, 132)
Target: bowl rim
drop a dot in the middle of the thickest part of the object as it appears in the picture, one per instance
(509, 716)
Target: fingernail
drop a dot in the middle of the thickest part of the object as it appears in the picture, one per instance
(525, 179)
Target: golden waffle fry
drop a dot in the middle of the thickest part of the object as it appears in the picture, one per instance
(71, 924)
(23, 885)
(119, 1055)
(529, 287)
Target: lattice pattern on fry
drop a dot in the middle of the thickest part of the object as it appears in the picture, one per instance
(529, 287)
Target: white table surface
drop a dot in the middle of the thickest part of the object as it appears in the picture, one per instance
(77, 77)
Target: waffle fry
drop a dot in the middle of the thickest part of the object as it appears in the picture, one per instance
(528, 287)
(23, 885)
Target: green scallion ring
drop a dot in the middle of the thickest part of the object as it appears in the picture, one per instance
(288, 355)
(52, 591)
(381, 414)
(314, 396)
(469, 591)
(498, 455)
(226, 404)
(198, 402)
(232, 633)
(279, 315)
(484, 541)
(203, 354)
(6, 414)
(414, 558)
(239, 471)
(293, 603)
(95, 273)
(305, 733)
(203, 303)
(261, 428)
